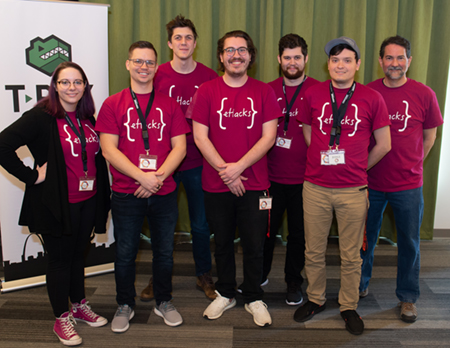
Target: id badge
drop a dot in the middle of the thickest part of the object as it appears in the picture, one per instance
(147, 162)
(86, 183)
(265, 202)
(283, 142)
(337, 157)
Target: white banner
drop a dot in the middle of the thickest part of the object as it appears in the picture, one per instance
(36, 36)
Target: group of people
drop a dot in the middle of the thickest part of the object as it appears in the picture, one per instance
(246, 152)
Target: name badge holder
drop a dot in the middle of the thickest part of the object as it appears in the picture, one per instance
(146, 161)
(85, 183)
(265, 202)
(332, 157)
(285, 142)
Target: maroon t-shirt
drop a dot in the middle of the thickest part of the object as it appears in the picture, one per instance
(365, 113)
(412, 108)
(235, 118)
(166, 120)
(71, 146)
(287, 166)
(182, 88)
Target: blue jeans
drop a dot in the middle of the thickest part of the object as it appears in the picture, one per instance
(408, 212)
(192, 182)
(128, 213)
(225, 212)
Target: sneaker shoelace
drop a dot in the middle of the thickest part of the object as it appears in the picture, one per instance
(167, 306)
(86, 310)
(122, 311)
(258, 305)
(67, 326)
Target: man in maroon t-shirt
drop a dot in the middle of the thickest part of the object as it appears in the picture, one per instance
(180, 78)
(142, 134)
(235, 120)
(287, 162)
(398, 177)
(339, 118)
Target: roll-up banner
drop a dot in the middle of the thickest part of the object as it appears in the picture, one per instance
(36, 36)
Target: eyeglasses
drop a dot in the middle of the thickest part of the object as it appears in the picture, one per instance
(140, 62)
(241, 50)
(67, 83)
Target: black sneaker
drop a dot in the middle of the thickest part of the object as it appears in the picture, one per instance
(307, 311)
(353, 322)
(294, 295)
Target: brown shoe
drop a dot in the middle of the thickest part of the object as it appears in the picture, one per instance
(147, 293)
(408, 312)
(206, 284)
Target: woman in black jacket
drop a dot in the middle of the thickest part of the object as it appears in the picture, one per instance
(67, 191)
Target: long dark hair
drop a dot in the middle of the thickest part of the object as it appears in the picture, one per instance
(51, 103)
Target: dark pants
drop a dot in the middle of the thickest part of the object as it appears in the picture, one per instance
(225, 212)
(287, 197)
(128, 214)
(65, 272)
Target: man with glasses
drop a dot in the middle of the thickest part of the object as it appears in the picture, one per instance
(398, 177)
(287, 162)
(339, 117)
(180, 79)
(142, 134)
(235, 120)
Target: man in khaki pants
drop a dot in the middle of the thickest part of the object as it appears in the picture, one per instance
(339, 118)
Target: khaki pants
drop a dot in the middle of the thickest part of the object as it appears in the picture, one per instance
(350, 205)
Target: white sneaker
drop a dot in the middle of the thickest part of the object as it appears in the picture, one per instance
(218, 306)
(261, 315)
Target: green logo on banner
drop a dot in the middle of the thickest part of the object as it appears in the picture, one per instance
(46, 54)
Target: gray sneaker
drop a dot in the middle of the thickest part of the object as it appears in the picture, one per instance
(121, 319)
(364, 293)
(169, 313)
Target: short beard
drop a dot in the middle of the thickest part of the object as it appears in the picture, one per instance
(400, 75)
(295, 76)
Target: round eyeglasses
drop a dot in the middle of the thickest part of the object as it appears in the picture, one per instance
(67, 83)
(242, 51)
(140, 62)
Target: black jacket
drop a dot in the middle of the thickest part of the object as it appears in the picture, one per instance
(45, 207)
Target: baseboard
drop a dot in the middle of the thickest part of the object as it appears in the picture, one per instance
(441, 233)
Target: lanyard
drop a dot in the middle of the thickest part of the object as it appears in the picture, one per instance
(82, 138)
(142, 118)
(289, 105)
(338, 115)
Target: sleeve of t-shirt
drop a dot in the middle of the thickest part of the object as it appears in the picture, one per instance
(433, 117)
(199, 108)
(272, 108)
(380, 113)
(106, 120)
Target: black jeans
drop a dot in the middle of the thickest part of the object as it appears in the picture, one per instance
(287, 197)
(65, 272)
(225, 212)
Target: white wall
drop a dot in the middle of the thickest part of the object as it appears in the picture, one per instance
(442, 217)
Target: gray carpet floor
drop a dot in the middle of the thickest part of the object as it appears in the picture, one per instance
(26, 318)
